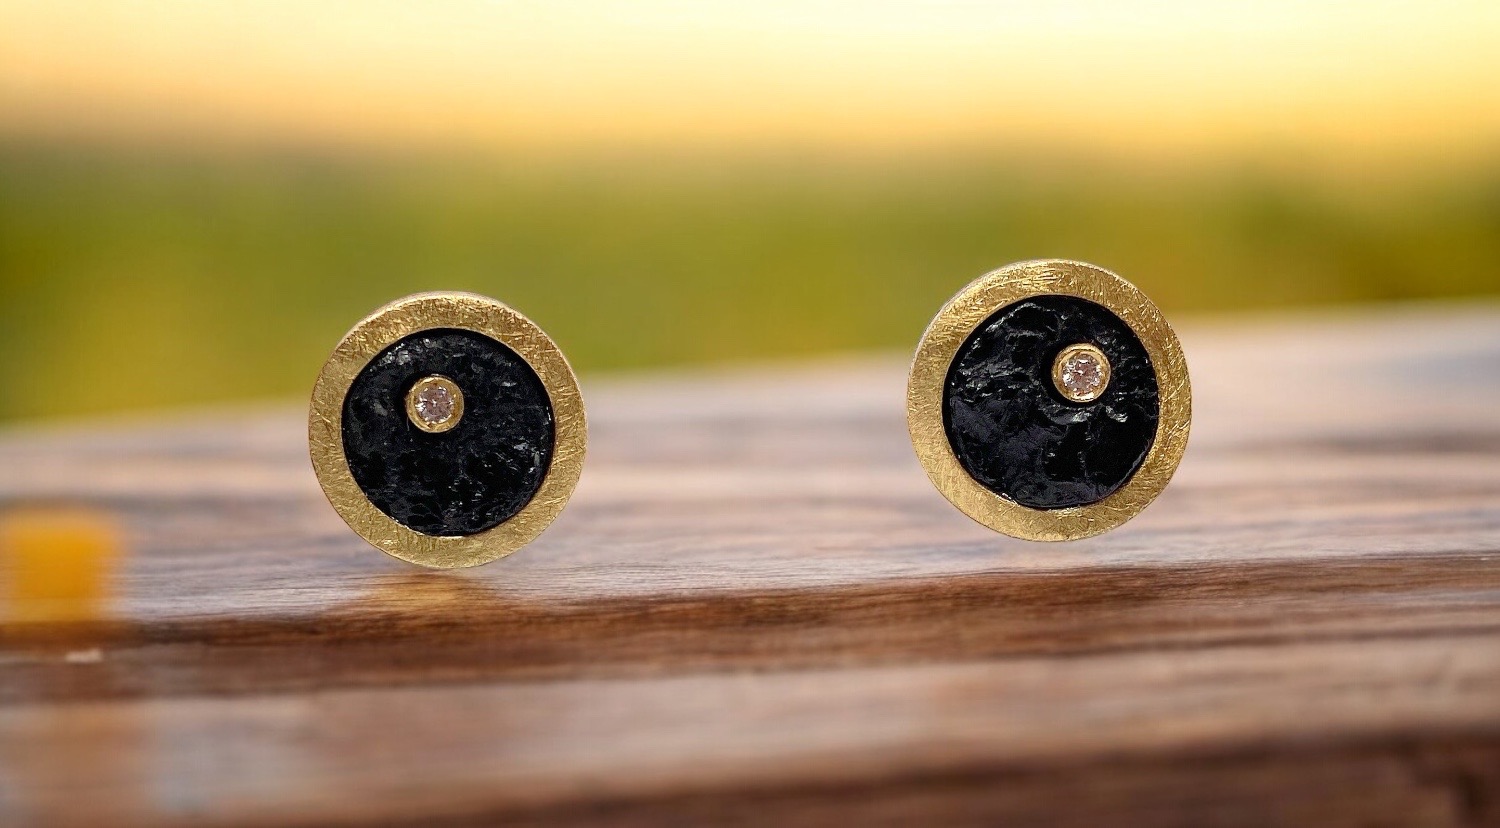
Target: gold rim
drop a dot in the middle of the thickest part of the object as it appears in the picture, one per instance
(952, 327)
(385, 327)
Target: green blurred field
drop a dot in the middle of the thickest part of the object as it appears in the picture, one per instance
(136, 278)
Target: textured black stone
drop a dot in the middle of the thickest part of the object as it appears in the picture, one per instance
(1012, 430)
(471, 478)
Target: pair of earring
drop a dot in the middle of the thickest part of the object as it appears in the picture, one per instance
(1048, 400)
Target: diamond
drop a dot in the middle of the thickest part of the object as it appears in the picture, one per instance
(434, 404)
(1082, 377)
(1081, 373)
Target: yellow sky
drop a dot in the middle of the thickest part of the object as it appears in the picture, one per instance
(1169, 75)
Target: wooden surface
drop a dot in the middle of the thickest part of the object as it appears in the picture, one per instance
(757, 611)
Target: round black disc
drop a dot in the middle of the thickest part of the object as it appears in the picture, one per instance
(1015, 434)
(473, 477)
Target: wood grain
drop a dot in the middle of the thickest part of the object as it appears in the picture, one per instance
(756, 610)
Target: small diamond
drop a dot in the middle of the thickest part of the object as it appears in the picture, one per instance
(434, 404)
(1081, 373)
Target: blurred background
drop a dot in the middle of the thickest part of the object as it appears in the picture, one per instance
(198, 198)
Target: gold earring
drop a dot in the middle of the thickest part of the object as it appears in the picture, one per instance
(447, 429)
(1049, 400)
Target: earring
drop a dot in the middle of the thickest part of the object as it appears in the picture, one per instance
(447, 430)
(1049, 400)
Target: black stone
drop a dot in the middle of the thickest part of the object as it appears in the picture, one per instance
(470, 478)
(1020, 438)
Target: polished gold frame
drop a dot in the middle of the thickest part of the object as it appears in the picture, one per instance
(385, 327)
(952, 327)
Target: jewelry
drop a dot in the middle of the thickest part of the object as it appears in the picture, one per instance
(447, 429)
(1049, 400)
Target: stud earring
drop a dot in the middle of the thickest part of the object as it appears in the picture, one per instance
(1049, 400)
(447, 430)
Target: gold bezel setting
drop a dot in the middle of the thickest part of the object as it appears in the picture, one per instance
(952, 327)
(383, 328)
(1060, 372)
(414, 404)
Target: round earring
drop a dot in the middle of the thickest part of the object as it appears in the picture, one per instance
(1049, 400)
(447, 430)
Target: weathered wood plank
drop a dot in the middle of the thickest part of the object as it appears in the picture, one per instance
(1413, 710)
(755, 599)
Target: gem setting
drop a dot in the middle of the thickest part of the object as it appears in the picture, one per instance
(435, 404)
(1081, 373)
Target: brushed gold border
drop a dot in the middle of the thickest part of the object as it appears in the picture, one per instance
(380, 330)
(971, 307)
